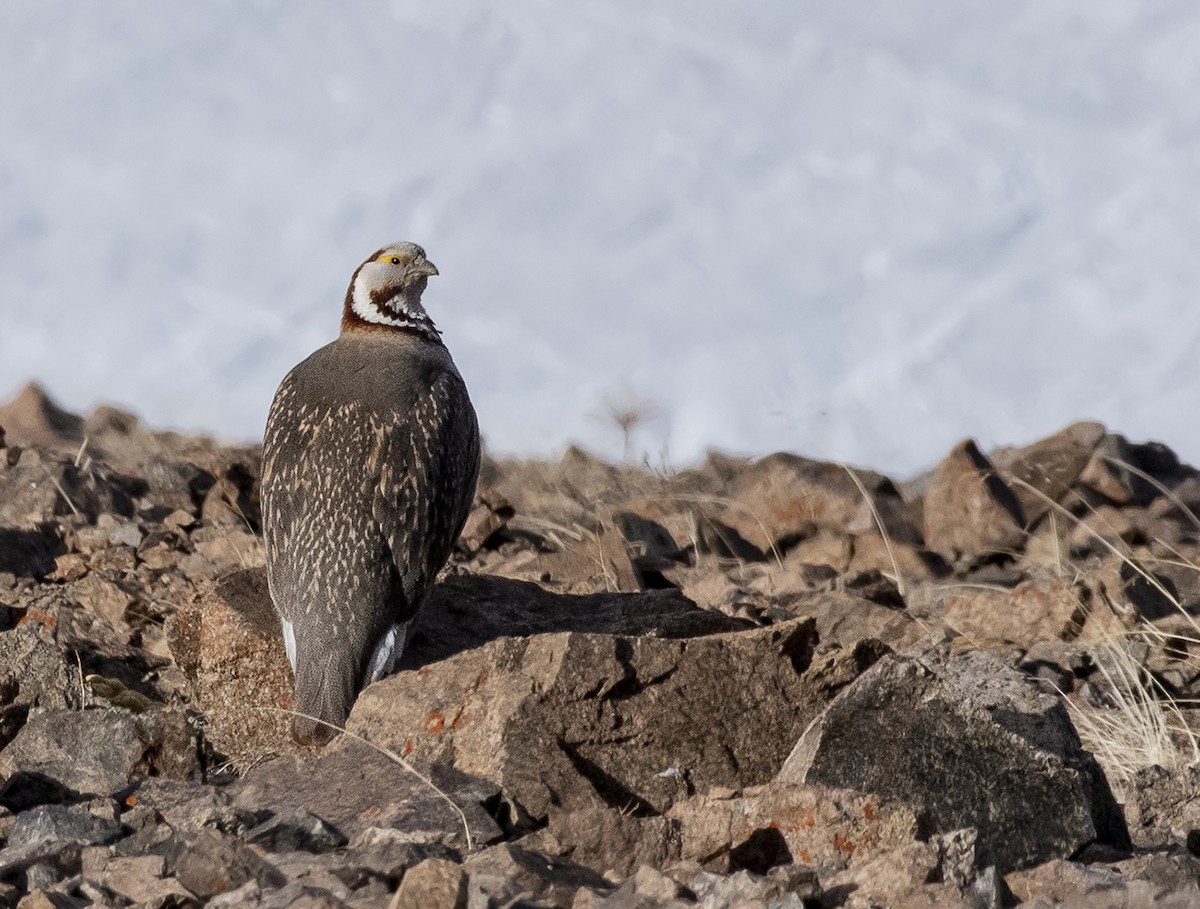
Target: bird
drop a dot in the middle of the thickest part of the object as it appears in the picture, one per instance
(371, 455)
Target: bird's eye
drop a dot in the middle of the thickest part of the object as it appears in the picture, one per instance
(395, 260)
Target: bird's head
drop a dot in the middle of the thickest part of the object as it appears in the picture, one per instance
(385, 292)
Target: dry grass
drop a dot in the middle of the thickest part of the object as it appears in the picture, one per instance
(887, 540)
(1143, 725)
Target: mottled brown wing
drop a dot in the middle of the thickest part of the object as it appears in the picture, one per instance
(428, 468)
(289, 430)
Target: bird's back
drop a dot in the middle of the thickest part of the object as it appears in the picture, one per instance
(369, 463)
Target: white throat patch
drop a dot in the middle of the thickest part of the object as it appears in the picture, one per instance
(396, 312)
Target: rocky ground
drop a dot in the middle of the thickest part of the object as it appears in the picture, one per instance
(770, 682)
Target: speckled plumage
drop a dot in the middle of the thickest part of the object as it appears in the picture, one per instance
(370, 459)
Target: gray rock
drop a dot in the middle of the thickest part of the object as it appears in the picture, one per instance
(370, 798)
(41, 674)
(507, 871)
(295, 830)
(974, 743)
(794, 887)
(62, 824)
(93, 752)
(969, 509)
(209, 863)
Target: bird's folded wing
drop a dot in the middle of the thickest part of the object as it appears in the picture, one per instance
(429, 462)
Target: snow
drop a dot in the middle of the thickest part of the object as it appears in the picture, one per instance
(855, 231)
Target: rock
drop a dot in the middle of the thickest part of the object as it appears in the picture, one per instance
(646, 887)
(813, 825)
(62, 824)
(228, 642)
(650, 544)
(1119, 469)
(38, 670)
(368, 797)
(433, 884)
(609, 842)
(1051, 466)
(140, 879)
(1063, 883)
(209, 863)
(539, 716)
(33, 419)
(1162, 807)
(506, 871)
(598, 561)
(40, 490)
(43, 899)
(972, 742)
(1033, 611)
(489, 513)
(969, 509)
(89, 752)
(296, 830)
(796, 887)
(222, 553)
(870, 552)
(718, 539)
(777, 499)
(103, 597)
(467, 611)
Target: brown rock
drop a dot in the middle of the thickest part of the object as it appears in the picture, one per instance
(209, 863)
(776, 498)
(219, 554)
(33, 419)
(538, 715)
(433, 884)
(229, 643)
(597, 562)
(1033, 611)
(817, 825)
(1059, 882)
(969, 509)
(103, 597)
(489, 513)
(823, 548)
(870, 552)
(48, 899)
(1119, 469)
(849, 621)
(1050, 465)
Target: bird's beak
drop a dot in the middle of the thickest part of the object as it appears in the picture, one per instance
(426, 268)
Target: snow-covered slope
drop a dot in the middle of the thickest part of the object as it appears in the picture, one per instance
(858, 231)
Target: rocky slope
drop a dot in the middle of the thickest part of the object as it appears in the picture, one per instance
(771, 682)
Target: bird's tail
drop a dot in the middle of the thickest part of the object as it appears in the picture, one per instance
(325, 692)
